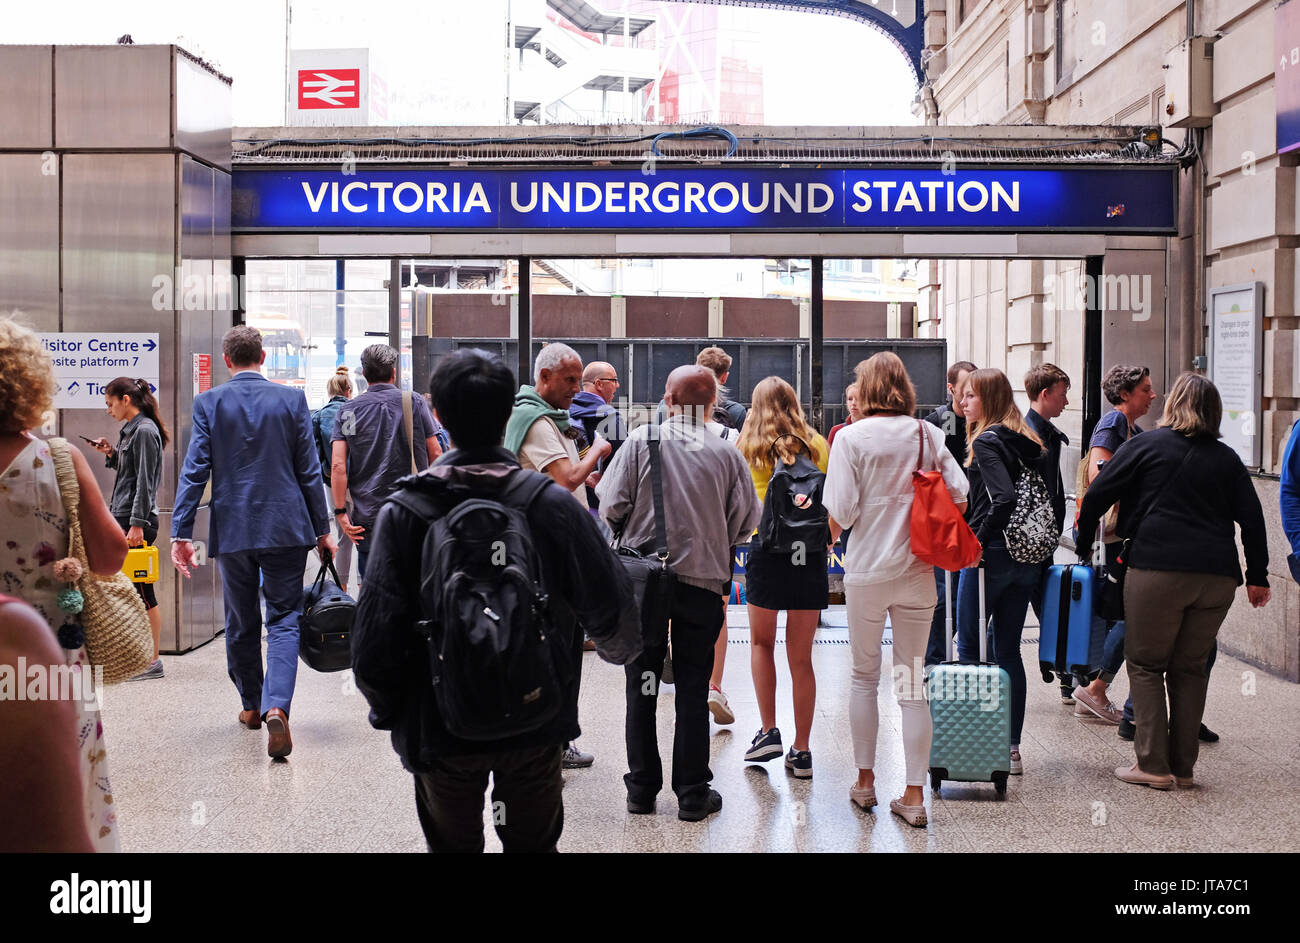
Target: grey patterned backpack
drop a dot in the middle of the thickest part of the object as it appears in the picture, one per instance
(1031, 533)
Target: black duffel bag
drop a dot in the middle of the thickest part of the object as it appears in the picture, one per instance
(325, 626)
(653, 580)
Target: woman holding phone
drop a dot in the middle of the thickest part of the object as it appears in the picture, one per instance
(137, 457)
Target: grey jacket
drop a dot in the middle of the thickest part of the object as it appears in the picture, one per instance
(138, 460)
(709, 501)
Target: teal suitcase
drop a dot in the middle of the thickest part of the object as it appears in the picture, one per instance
(970, 708)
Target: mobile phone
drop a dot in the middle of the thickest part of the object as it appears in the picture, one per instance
(87, 438)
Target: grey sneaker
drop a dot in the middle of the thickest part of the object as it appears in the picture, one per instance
(574, 758)
(799, 762)
(153, 671)
(1017, 765)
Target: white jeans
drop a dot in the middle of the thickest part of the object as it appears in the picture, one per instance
(909, 601)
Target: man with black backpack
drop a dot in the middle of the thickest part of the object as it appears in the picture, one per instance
(468, 637)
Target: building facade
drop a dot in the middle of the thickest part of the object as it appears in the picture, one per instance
(1099, 62)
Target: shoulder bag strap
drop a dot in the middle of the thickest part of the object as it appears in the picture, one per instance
(408, 424)
(70, 492)
(656, 481)
(920, 447)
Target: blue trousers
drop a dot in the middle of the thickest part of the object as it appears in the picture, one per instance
(281, 577)
(1008, 586)
(936, 650)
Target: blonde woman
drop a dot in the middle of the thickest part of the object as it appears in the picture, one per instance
(776, 428)
(339, 390)
(869, 488)
(1178, 487)
(1001, 444)
(35, 528)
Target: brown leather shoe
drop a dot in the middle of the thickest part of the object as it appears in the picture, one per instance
(251, 719)
(278, 744)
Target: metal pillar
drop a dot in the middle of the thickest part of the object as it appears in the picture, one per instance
(395, 312)
(524, 322)
(340, 327)
(1092, 405)
(817, 338)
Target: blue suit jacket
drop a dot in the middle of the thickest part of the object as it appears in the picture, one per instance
(254, 438)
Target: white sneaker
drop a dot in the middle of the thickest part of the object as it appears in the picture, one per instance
(1017, 767)
(719, 707)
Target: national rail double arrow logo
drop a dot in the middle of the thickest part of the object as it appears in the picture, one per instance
(329, 88)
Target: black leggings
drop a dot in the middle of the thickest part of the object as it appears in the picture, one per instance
(150, 535)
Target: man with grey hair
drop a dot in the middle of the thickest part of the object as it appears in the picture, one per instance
(370, 451)
(542, 434)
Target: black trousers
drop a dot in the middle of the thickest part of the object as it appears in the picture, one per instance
(527, 803)
(696, 621)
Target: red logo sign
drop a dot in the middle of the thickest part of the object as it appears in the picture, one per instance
(329, 88)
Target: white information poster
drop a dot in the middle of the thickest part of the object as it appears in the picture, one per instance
(85, 363)
(1236, 364)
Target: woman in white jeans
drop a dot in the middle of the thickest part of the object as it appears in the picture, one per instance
(869, 488)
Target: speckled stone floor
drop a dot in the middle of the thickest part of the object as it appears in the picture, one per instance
(187, 777)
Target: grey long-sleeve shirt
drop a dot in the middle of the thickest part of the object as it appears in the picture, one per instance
(138, 460)
(709, 501)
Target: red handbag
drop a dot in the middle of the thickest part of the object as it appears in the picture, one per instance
(940, 535)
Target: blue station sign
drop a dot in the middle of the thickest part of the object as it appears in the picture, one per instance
(1060, 199)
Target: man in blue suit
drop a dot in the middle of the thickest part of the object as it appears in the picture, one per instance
(254, 438)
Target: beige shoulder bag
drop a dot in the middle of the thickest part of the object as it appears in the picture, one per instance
(113, 615)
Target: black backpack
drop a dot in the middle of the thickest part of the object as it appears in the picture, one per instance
(325, 626)
(793, 515)
(498, 666)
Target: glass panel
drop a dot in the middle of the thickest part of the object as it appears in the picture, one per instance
(308, 327)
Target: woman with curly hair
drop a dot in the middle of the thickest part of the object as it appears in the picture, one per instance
(797, 583)
(34, 547)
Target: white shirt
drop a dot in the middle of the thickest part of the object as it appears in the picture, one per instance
(869, 488)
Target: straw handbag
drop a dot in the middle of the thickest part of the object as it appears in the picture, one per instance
(112, 614)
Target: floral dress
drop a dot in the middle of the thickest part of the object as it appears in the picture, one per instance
(33, 534)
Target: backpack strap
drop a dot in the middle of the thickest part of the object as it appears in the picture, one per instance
(523, 488)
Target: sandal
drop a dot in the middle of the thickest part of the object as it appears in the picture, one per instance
(913, 815)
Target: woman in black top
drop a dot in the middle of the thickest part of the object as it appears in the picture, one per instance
(138, 462)
(1001, 444)
(1180, 490)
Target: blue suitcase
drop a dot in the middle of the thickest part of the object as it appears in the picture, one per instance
(1070, 640)
(970, 708)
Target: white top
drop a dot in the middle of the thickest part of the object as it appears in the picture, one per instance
(869, 488)
(543, 445)
(35, 529)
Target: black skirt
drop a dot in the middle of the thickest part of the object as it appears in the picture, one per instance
(775, 581)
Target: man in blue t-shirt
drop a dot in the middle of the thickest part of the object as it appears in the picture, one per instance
(370, 451)
(1127, 388)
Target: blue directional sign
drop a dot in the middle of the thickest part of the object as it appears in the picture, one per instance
(1130, 199)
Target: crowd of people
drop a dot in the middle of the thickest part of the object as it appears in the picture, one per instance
(547, 477)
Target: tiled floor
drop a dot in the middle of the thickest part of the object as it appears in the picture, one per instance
(187, 777)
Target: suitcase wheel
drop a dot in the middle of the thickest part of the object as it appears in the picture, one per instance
(1000, 784)
(936, 778)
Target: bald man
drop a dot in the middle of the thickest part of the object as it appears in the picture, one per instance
(591, 410)
(713, 507)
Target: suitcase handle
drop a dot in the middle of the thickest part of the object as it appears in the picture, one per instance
(948, 619)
